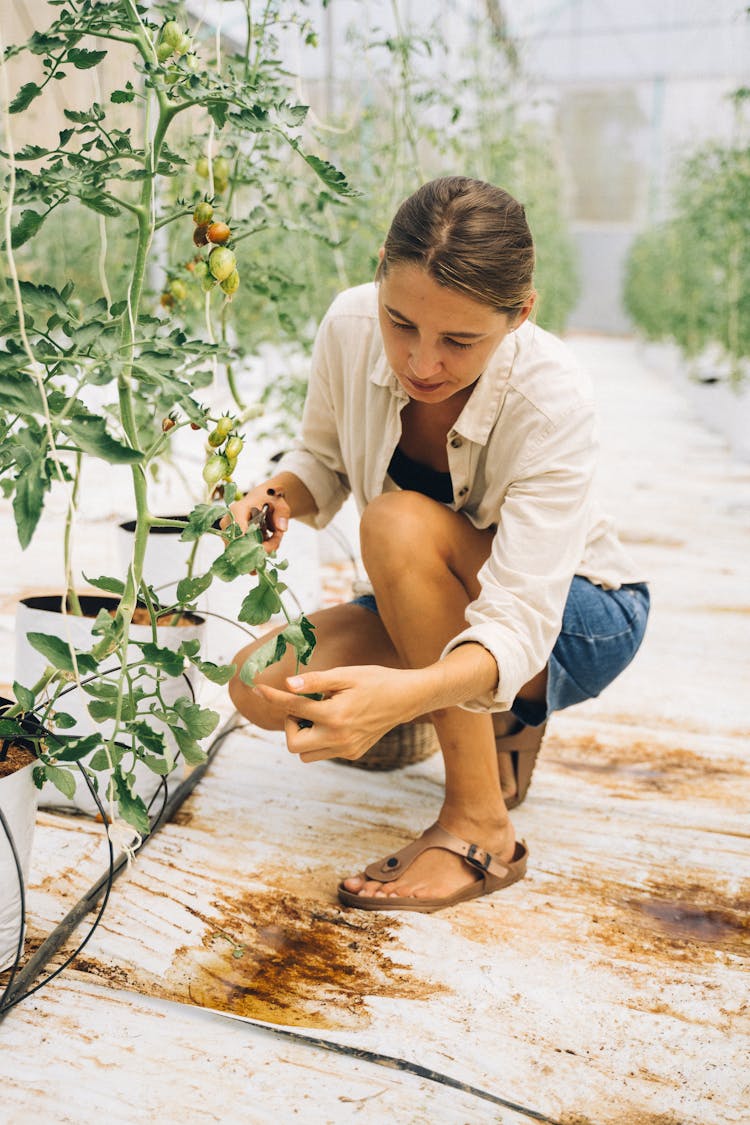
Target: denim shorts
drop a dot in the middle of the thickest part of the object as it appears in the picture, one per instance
(601, 632)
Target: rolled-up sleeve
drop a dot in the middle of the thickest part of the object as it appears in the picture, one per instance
(316, 456)
(542, 525)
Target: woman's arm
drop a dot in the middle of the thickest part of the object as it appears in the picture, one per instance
(362, 703)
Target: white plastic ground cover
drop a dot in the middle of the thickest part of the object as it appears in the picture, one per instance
(30, 664)
(18, 801)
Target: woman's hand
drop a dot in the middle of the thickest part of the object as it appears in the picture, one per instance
(361, 704)
(267, 508)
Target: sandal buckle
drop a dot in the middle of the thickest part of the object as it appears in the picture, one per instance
(478, 857)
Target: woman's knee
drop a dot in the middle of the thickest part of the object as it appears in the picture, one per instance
(395, 522)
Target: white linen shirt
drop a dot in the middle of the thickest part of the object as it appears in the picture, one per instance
(521, 455)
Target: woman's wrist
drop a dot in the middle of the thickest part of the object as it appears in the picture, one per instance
(465, 673)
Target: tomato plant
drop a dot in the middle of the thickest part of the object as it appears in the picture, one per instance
(130, 159)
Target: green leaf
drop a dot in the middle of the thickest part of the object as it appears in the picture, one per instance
(301, 636)
(259, 605)
(98, 689)
(188, 589)
(216, 673)
(190, 648)
(25, 97)
(75, 749)
(85, 60)
(102, 709)
(58, 653)
(31, 152)
(132, 809)
(119, 97)
(90, 435)
(268, 653)
(107, 759)
(19, 392)
(191, 751)
(23, 695)
(152, 739)
(218, 112)
(330, 175)
(240, 557)
(28, 502)
(167, 659)
(64, 721)
(62, 780)
(199, 721)
(27, 227)
(111, 585)
(201, 519)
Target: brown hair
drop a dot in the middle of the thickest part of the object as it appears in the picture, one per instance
(468, 235)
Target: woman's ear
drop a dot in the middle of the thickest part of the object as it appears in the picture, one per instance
(381, 259)
(525, 312)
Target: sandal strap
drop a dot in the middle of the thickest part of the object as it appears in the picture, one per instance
(394, 866)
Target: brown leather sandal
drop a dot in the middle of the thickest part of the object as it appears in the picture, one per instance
(494, 874)
(523, 746)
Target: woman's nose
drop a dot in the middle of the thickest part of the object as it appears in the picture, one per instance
(424, 361)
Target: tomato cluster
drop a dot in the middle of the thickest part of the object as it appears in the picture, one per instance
(221, 462)
(221, 265)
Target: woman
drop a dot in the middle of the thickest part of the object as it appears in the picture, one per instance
(467, 436)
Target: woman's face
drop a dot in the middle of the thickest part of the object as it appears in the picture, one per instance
(437, 340)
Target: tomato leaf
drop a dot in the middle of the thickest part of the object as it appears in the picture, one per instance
(189, 588)
(111, 585)
(29, 224)
(91, 436)
(132, 809)
(58, 653)
(259, 605)
(24, 97)
(62, 780)
(85, 60)
(264, 656)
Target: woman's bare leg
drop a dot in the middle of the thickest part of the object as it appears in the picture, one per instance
(422, 560)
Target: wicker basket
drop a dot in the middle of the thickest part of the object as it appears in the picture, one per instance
(402, 746)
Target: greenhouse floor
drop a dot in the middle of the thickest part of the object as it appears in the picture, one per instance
(608, 987)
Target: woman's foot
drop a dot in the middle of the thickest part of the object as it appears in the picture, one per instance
(437, 873)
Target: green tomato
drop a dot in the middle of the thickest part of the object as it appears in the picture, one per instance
(178, 289)
(164, 51)
(203, 214)
(171, 34)
(221, 262)
(200, 269)
(215, 469)
(215, 439)
(207, 283)
(233, 448)
(183, 45)
(201, 167)
(224, 426)
(231, 284)
(221, 168)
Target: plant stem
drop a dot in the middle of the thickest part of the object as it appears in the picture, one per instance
(71, 597)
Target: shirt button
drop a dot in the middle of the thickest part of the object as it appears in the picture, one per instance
(456, 442)
(463, 491)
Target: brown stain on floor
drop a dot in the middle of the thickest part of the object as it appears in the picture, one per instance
(641, 766)
(282, 959)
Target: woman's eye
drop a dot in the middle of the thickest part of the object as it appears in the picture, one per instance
(403, 327)
(458, 344)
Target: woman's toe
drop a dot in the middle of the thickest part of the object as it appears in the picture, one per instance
(354, 883)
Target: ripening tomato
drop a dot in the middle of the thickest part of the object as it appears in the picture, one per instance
(218, 232)
(203, 213)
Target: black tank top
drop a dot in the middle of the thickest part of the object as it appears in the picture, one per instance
(420, 478)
